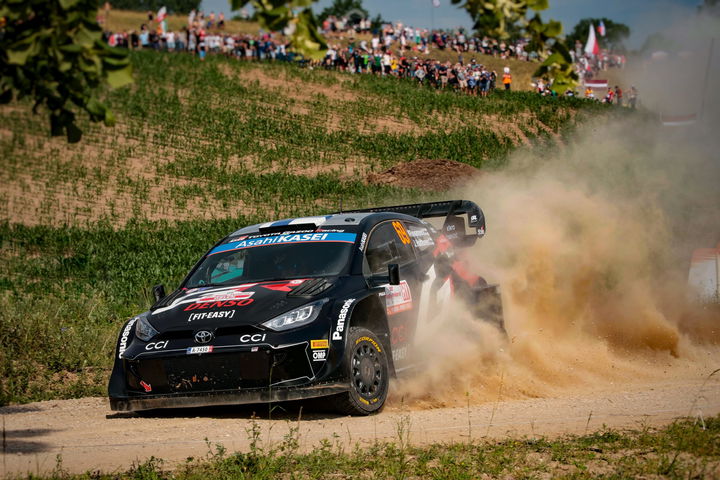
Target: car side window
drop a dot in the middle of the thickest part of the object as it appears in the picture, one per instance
(388, 243)
(421, 238)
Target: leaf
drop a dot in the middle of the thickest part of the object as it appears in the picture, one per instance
(19, 56)
(538, 5)
(71, 48)
(119, 78)
(238, 4)
(275, 19)
(86, 38)
(95, 108)
(68, 4)
(115, 63)
(553, 28)
(109, 118)
(554, 58)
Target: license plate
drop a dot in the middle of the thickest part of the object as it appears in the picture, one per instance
(203, 349)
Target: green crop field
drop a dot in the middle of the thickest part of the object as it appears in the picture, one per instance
(200, 149)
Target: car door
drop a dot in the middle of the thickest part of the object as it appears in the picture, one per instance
(435, 286)
(389, 242)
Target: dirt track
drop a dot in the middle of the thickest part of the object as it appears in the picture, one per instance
(89, 436)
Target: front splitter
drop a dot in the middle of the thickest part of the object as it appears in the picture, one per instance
(225, 397)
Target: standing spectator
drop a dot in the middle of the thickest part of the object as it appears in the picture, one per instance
(144, 37)
(202, 51)
(221, 20)
(507, 78)
(619, 95)
(170, 41)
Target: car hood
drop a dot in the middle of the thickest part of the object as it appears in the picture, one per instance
(237, 305)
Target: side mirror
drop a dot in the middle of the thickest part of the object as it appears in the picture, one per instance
(159, 292)
(394, 274)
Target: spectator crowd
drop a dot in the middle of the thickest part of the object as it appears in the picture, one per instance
(392, 50)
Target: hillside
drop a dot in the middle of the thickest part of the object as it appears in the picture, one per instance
(216, 138)
(200, 149)
(129, 20)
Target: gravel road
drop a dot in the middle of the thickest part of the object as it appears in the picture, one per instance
(88, 436)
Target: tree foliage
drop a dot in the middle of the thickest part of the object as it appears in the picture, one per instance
(505, 18)
(340, 8)
(295, 17)
(174, 6)
(615, 33)
(52, 51)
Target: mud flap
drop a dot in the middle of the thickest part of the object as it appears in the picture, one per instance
(488, 306)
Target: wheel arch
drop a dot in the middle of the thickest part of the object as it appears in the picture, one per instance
(370, 313)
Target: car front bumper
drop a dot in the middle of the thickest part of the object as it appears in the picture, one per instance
(226, 397)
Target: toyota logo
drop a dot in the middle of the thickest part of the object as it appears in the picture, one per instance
(203, 336)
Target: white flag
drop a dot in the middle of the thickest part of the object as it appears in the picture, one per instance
(592, 47)
(436, 3)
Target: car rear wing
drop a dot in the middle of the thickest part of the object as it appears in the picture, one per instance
(456, 212)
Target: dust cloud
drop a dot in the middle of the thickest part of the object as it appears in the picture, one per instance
(591, 244)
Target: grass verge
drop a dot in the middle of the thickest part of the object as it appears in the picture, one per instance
(685, 449)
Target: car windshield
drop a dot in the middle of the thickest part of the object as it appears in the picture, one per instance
(224, 266)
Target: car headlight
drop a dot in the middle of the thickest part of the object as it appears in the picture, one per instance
(296, 318)
(143, 330)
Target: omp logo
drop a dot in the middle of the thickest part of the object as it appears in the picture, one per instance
(340, 327)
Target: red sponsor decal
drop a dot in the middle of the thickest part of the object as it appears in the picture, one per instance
(146, 386)
(234, 294)
(398, 298)
(442, 245)
(285, 286)
(221, 304)
(398, 334)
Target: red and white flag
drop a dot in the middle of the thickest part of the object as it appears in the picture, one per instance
(592, 47)
(596, 83)
(601, 29)
(162, 13)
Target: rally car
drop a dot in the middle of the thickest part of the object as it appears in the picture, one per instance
(303, 308)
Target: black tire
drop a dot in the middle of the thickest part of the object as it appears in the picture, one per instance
(365, 365)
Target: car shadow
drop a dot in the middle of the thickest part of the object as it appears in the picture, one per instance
(287, 411)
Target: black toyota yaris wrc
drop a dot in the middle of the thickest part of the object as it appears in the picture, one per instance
(303, 308)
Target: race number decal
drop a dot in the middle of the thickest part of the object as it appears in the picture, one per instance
(398, 298)
(401, 232)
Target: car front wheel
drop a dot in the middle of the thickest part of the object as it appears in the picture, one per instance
(366, 367)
